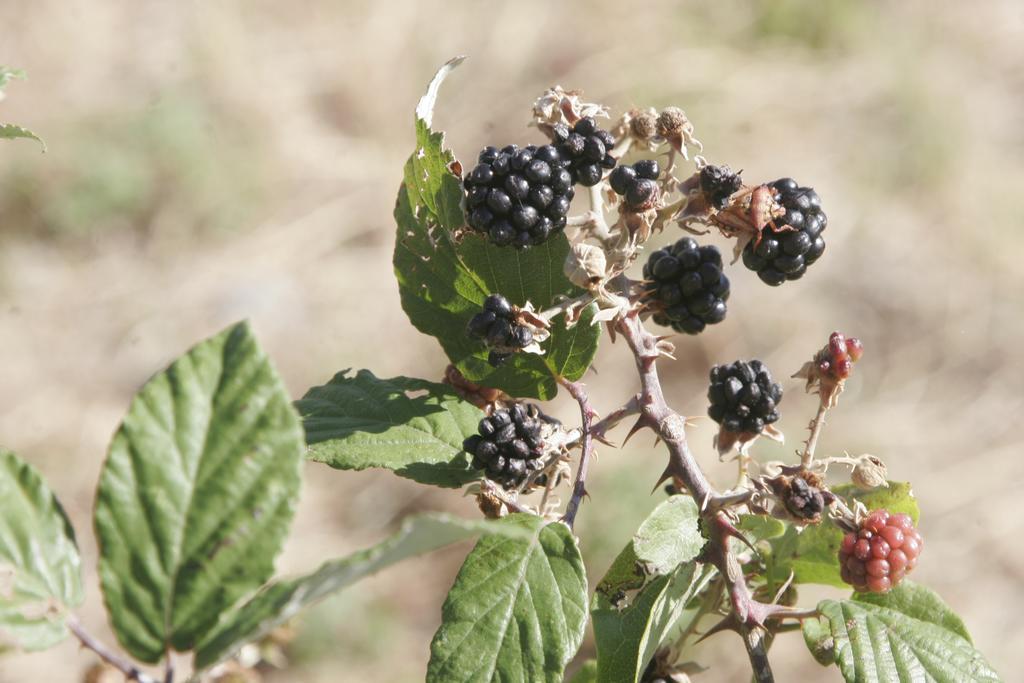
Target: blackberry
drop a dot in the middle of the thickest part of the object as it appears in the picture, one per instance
(519, 197)
(718, 183)
(587, 149)
(687, 289)
(743, 396)
(785, 254)
(637, 184)
(509, 444)
(498, 328)
(880, 553)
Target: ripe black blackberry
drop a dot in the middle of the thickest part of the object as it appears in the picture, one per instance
(519, 197)
(718, 183)
(508, 445)
(687, 289)
(497, 327)
(587, 148)
(637, 184)
(785, 253)
(744, 398)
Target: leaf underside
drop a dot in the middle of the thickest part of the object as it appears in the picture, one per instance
(279, 601)
(877, 642)
(197, 494)
(40, 569)
(517, 610)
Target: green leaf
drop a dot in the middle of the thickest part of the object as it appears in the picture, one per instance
(587, 673)
(9, 131)
(761, 527)
(873, 643)
(517, 611)
(918, 602)
(40, 574)
(411, 426)
(197, 494)
(7, 74)
(443, 281)
(813, 553)
(279, 601)
(669, 536)
(628, 637)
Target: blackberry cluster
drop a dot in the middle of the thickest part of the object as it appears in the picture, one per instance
(496, 326)
(637, 184)
(587, 148)
(804, 499)
(687, 289)
(836, 360)
(880, 553)
(509, 444)
(744, 398)
(718, 183)
(519, 197)
(785, 254)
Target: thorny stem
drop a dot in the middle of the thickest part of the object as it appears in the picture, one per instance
(579, 487)
(748, 614)
(612, 419)
(812, 441)
(130, 671)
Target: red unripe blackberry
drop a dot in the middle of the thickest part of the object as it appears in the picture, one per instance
(880, 553)
(785, 254)
(837, 358)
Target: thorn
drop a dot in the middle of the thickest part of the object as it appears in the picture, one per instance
(640, 424)
(727, 624)
(601, 439)
(665, 476)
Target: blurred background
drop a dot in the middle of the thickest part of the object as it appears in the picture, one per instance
(215, 161)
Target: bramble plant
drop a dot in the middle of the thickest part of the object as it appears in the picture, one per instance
(201, 480)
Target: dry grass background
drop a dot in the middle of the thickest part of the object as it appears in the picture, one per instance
(213, 161)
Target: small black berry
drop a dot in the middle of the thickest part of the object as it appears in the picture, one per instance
(637, 184)
(687, 288)
(586, 149)
(496, 325)
(718, 183)
(647, 168)
(743, 396)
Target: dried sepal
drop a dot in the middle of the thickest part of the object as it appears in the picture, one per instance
(640, 127)
(675, 128)
(557, 105)
(725, 441)
(586, 265)
(869, 473)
